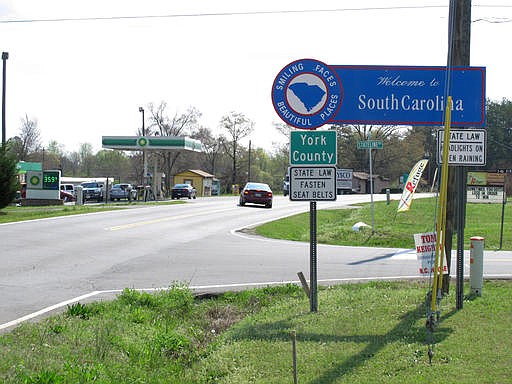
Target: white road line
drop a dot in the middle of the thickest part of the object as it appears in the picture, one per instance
(209, 287)
(46, 310)
(193, 288)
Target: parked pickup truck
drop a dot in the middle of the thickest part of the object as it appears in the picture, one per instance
(93, 191)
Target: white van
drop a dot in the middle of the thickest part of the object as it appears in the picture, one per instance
(68, 188)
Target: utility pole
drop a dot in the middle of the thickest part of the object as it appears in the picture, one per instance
(460, 38)
(5, 56)
(144, 160)
(249, 167)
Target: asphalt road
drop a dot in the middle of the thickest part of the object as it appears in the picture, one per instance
(47, 264)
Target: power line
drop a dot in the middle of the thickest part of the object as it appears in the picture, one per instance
(249, 13)
(494, 20)
(214, 14)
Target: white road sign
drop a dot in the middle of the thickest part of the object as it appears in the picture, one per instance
(344, 178)
(313, 183)
(467, 146)
(485, 194)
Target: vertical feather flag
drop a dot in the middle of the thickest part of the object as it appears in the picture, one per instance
(410, 186)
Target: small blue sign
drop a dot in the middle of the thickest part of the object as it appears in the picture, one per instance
(383, 95)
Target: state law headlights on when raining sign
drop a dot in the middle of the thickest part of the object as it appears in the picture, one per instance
(307, 94)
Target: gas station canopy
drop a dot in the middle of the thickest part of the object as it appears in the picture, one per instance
(138, 143)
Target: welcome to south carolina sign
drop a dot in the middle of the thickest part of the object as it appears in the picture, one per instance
(308, 94)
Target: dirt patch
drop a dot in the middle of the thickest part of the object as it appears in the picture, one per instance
(248, 231)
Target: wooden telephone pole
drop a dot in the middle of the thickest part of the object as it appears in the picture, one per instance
(459, 40)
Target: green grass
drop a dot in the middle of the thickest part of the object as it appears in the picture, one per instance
(13, 213)
(362, 333)
(392, 229)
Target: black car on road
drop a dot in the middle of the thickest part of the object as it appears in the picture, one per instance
(183, 190)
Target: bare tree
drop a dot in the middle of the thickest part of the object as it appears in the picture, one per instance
(28, 141)
(375, 131)
(86, 158)
(212, 147)
(238, 127)
(162, 125)
(283, 129)
(351, 133)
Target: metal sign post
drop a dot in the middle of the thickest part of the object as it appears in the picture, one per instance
(503, 170)
(313, 183)
(503, 211)
(371, 190)
(371, 144)
(313, 299)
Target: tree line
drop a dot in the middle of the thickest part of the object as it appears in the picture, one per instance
(229, 156)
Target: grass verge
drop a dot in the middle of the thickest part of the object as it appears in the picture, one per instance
(392, 229)
(13, 213)
(362, 333)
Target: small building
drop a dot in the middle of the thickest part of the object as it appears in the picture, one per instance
(25, 166)
(361, 183)
(202, 181)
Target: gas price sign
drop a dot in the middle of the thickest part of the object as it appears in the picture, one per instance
(51, 180)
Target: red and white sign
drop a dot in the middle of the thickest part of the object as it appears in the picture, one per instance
(411, 184)
(426, 253)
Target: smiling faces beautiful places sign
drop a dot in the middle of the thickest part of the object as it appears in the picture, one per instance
(307, 94)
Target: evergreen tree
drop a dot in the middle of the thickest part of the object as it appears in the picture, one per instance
(8, 181)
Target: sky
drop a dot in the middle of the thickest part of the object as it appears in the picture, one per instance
(82, 69)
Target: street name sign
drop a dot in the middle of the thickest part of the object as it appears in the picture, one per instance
(369, 144)
(467, 147)
(313, 148)
(313, 183)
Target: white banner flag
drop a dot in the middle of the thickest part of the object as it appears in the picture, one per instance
(410, 186)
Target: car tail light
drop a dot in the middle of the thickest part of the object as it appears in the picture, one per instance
(269, 194)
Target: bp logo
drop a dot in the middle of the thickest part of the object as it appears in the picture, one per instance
(307, 94)
(142, 142)
(35, 180)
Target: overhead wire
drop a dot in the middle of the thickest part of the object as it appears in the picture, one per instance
(242, 13)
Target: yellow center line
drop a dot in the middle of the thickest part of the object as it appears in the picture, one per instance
(163, 219)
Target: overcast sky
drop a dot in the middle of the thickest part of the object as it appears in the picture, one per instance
(82, 69)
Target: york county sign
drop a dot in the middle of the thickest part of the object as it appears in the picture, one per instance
(313, 148)
(467, 146)
(308, 94)
(313, 183)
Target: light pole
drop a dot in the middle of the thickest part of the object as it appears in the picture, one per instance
(5, 56)
(143, 129)
(145, 174)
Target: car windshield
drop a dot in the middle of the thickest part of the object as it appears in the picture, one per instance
(181, 186)
(119, 186)
(90, 185)
(258, 186)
